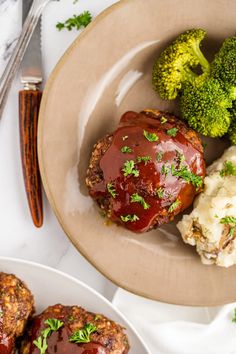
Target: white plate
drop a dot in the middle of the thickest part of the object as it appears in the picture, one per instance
(50, 287)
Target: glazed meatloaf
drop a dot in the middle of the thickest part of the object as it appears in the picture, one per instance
(16, 306)
(74, 331)
(147, 171)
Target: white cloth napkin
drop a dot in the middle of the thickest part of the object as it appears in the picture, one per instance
(171, 329)
(167, 329)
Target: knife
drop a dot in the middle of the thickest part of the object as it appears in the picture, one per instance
(29, 102)
(18, 53)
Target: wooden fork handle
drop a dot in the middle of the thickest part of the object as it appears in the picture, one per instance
(29, 102)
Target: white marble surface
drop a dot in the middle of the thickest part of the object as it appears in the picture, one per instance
(19, 238)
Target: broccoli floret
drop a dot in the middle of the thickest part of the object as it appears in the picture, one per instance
(223, 66)
(204, 104)
(232, 128)
(174, 65)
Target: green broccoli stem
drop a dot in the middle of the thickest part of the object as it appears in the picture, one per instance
(188, 74)
(202, 60)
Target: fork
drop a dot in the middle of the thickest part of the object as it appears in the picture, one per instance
(18, 53)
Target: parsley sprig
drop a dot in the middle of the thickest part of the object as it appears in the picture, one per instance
(144, 159)
(159, 156)
(165, 170)
(188, 176)
(129, 217)
(77, 22)
(163, 120)
(229, 169)
(150, 136)
(126, 149)
(83, 334)
(231, 221)
(111, 189)
(234, 316)
(129, 169)
(41, 342)
(136, 198)
(174, 206)
(160, 192)
(172, 132)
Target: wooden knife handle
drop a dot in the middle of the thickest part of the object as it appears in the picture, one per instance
(29, 102)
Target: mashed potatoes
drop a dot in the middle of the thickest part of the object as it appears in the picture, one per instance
(211, 226)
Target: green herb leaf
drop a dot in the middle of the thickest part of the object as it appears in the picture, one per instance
(129, 169)
(77, 21)
(150, 136)
(159, 156)
(41, 342)
(234, 316)
(126, 149)
(188, 176)
(165, 170)
(145, 159)
(172, 132)
(54, 324)
(231, 221)
(131, 218)
(83, 335)
(111, 189)
(180, 157)
(174, 206)
(204, 145)
(163, 120)
(160, 193)
(135, 198)
(229, 169)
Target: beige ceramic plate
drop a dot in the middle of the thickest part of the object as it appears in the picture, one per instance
(106, 72)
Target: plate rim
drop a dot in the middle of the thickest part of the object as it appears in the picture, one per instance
(48, 192)
(80, 283)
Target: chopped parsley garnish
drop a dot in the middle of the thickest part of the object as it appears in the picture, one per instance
(135, 198)
(83, 334)
(174, 205)
(159, 156)
(41, 342)
(111, 189)
(71, 318)
(234, 316)
(229, 169)
(204, 145)
(126, 149)
(188, 176)
(77, 21)
(172, 132)
(163, 120)
(180, 157)
(150, 136)
(131, 218)
(124, 137)
(145, 159)
(160, 193)
(231, 221)
(54, 324)
(165, 170)
(129, 169)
